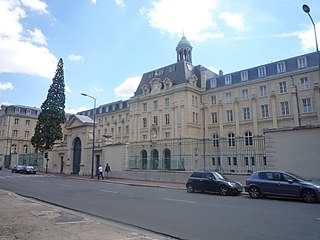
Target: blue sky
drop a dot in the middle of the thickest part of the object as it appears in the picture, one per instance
(107, 45)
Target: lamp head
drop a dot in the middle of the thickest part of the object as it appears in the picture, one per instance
(305, 8)
(83, 94)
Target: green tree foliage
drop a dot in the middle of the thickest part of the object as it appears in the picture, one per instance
(48, 128)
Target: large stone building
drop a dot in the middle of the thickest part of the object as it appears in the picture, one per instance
(185, 117)
(17, 124)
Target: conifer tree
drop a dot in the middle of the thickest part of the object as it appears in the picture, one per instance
(48, 128)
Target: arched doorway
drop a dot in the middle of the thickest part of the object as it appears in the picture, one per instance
(144, 159)
(154, 159)
(167, 159)
(76, 155)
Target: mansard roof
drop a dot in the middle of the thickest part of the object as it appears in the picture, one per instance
(178, 73)
(291, 66)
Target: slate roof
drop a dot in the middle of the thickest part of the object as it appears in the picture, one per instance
(291, 65)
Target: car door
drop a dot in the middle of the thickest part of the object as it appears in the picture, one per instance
(267, 183)
(288, 186)
(206, 181)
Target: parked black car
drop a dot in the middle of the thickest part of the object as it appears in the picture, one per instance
(282, 184)
(16, 169)
(213, 182)
(28, 170)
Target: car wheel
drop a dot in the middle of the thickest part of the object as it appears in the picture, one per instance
(190, 188)
(254, 192)
(308, 196)
(223, 190)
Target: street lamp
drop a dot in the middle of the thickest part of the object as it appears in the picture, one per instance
(306, 9)
(94, 128)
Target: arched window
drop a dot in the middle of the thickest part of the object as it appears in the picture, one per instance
(215, 140)
(248, 138)
(231, 140)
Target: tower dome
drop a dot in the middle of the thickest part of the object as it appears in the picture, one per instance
(184, 50)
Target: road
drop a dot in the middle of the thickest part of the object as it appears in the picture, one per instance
(174, 212)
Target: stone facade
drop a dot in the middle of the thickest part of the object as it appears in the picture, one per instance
(184, 117)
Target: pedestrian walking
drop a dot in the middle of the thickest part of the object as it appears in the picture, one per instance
(100, 172)
(107, 170)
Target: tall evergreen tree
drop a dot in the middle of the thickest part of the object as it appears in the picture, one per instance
(48, 128)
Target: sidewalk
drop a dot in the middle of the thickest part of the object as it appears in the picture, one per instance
(24, 219)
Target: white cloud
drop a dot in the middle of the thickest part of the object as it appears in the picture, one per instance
(6, 86)
(126, 89)
(308, 38)
(120, 3)
(35, 5)
(37, 36)
(17, 50)
(93, 1)
(75, 110)
(234, 20)
(193, 18)
(75, 58)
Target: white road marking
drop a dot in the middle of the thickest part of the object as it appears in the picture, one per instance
(177, 200)
(318, 218)
(65, 185)
(108, 191)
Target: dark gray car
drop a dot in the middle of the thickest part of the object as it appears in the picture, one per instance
(282, 184)
(213, 182)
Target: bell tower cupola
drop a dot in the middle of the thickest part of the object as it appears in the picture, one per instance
(184, 50)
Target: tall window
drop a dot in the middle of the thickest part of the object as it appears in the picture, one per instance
(214, 117)
(213, 83)
(248, 138)
(215, 140)
(167, 119)
(25, 148)
(228, 97)
(246, 113)
(27, 123)
(264, 111)
(228, 79)
(304, 83)
(263, 91)
(231, 140)
(284, 108)
(155, 105)
(15, 133)
(16, 121)
(307, 105)
(195, 117)
(144, 122)
(262, 72)
(213, 100)
(229, 116)
(14, 148)
(302, 62)
(244, 76)
(281, 67)
(26, 134)
(144, 107)
(167, 102)
(283, 87)
(155, 120)
(245, 94)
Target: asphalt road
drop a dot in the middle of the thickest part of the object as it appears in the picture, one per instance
(174, 212)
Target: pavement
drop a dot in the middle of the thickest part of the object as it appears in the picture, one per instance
(29, 219)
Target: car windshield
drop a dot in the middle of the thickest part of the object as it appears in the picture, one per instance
(219, 176)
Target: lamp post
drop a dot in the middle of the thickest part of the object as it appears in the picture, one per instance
(94, 128)
(306, 9)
